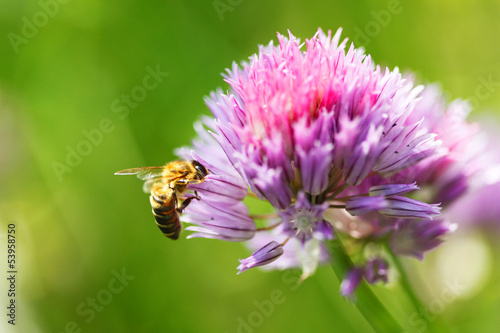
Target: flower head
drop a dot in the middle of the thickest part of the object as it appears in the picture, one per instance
(332, 142)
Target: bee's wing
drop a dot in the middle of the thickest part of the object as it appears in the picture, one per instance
(164, 180)
(147, 187)
(143, 173)
(150, 175)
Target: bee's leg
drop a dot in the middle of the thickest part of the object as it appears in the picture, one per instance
(175, 198)
(186, 202)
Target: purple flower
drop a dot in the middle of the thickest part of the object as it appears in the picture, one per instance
(295, 254)
(413, 237)
(267, 254)
(376, 270)
(390, 204)
(445, 175)
(351, 281)
(478, 207)
(303, 220)
(372, 271)
(220, 214)
(392, 189)
(364, 205)
(334, 144)
(403, 207)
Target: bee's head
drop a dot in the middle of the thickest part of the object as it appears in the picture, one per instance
(201, 171)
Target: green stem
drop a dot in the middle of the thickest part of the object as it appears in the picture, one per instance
(367, 302)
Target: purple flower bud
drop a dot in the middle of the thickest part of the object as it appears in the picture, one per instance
(376, 270)
(314, 151)
(267, 254)
(351, 281)
(220, 220)
(403, 207)
(271, 184)
(452, 189)
(479, 207)
(364, 205)
(373, 271)
(407, 146)
(392, 189)
(415, 237)
(363, 156)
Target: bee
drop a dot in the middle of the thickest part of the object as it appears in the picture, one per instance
(167, 184)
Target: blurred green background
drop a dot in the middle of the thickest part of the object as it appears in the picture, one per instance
(66, 68)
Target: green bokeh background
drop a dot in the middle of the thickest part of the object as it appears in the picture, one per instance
(75, 229)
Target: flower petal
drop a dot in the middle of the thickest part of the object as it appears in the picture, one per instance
(392, 189)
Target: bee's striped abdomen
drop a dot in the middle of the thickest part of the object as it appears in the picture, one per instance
(164, 210)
